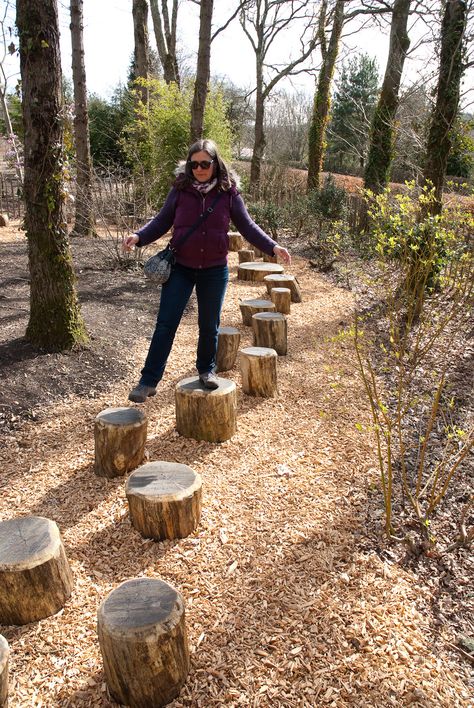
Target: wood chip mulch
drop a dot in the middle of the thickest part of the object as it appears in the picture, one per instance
(284, 607)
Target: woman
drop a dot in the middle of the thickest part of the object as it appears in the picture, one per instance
(201, 259)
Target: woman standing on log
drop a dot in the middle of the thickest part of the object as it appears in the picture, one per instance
(203, 184)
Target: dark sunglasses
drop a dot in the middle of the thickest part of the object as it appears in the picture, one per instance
(204, 164)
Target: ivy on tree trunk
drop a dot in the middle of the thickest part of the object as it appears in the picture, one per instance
(55, 321)
(447, 99)
(321, 105)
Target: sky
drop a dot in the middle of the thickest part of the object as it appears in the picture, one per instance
(108, 42)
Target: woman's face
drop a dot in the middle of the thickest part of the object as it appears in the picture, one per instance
(202, 174)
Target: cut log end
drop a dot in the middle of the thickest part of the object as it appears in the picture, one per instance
(120, 438)
(273, 280)
(257, 270)
(281, 298)
(259, 374)
(164, 500)
(143, 641)
(248, 308)
(270, 330)
(35, 578)
(205, 414)
(228, 342)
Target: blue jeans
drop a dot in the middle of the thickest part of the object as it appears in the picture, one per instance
(211, 284)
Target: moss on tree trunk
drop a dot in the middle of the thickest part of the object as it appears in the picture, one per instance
(55, 321)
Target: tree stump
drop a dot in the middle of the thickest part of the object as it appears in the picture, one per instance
(35, 578)
(270, 330)
(279, 280)
(143, 641)
(205, 414)
(258, 252)
(4, 655)
(246, 256)
(228, 341)
(248, 308)
(120, 437)
(236, 241)
(281, 298)
(164, 499)
(257, 270)
(259, 375)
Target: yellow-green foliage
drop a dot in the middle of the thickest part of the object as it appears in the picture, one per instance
(158, 138)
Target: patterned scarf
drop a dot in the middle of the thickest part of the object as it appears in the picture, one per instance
(205, 187)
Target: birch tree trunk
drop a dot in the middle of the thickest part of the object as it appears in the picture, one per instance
(140, 53)
(447, 98)
(84, 220)
(202, 71)
(55, 321)
(382, 135)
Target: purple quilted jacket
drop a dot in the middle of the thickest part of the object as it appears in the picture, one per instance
(208, 245)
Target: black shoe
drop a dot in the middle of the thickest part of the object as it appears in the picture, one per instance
(209, 380)
(140, 393)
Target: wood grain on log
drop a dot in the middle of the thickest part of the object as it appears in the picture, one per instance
(269, 259)
(143, 641)
(279, 280)
(120, 438)
(205, 414)
(164, 499)
(246, 256)
(4, 656)
(258, 252)
(228, 341)
(259, 374)
(281, 298)
(35, 578)
(258, 270)
(236, 241)
(248, 308)
(270, 330)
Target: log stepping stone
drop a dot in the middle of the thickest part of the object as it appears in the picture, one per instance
(270, 330)
(143, 642)
(281, 298)
(205, 414)
(35, 578)
(248, 308)
(246, 256)
(236, 241)
(280, 280)
(164, 499)
(120, 438)
(257, 270)
(259, 373)
(228, 342)
(4, 656)
(269, 259)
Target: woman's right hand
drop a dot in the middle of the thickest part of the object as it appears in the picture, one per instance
(129, 242)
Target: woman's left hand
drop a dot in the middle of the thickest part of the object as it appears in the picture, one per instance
(282, 254)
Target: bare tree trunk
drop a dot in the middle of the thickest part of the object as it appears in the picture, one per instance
(203, 70)
(382, 135)
(259, 136)
(84, 220)
(447, 98)
(319, 120)
(55, 321)
(141, 54)
(165, 35)
(263, 21)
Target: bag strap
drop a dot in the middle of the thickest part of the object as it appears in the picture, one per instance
(202, 218)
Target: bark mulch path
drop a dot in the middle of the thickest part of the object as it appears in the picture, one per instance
(284, 605)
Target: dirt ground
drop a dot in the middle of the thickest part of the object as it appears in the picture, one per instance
(292, 598)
